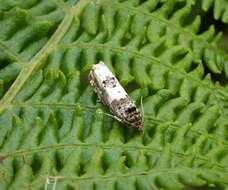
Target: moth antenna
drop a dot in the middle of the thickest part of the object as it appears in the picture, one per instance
(117, 118)
(142, 108)
(114, 117)
(141, 105)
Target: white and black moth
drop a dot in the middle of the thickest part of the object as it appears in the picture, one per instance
(113, 95)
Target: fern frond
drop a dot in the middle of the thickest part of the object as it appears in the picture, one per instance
(54, 133)
(220, 9)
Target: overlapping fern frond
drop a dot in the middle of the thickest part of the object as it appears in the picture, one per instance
(54, 134)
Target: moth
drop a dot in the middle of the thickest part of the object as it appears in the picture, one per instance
(113, 95)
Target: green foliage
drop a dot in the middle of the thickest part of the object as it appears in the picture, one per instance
(54, 133)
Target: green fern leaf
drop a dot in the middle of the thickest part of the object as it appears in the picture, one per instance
(220, 9)
(53, 132)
